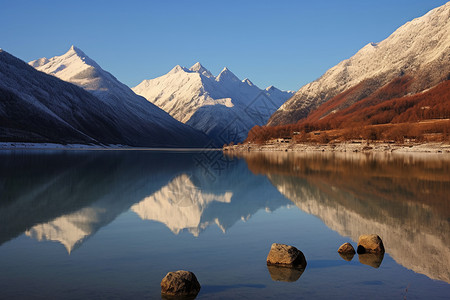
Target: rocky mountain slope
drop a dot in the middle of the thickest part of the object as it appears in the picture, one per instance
(124, 116)
(222, 106)
(419, 50)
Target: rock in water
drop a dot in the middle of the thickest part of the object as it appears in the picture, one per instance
(370, 243)
(286, 256)
(180, 283)
(346, 248)
(346, 251)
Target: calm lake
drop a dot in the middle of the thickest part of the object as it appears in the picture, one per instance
(111, 224)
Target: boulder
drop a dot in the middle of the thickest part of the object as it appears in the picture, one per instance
(370, 243)
(286, 256)
(346, 251)
(346, 248)
(180, 283)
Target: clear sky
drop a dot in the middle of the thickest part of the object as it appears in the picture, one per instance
(281, 43)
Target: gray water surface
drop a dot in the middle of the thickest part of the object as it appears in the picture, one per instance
(111, 224)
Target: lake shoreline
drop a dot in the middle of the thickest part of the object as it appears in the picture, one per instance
(8, 146)
(351, 146)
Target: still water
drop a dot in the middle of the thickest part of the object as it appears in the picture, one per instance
(111, 224)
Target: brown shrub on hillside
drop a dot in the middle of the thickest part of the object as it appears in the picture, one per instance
(374, 117)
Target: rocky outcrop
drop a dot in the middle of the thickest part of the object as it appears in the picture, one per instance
(370, 243)
(286, 256)
(180, 283)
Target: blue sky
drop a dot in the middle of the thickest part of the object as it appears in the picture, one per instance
(284, 43)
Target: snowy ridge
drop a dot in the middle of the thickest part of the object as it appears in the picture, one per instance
(140, 117)
(421, 44)
(210, 103)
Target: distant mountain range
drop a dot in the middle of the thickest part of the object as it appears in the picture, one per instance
(405, 78)
(222, 106)
(38, 108)
(139, 123)
(414, 59)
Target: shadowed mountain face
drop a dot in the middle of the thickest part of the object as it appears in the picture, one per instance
(39, 108)
(404, 199)
(68, 196)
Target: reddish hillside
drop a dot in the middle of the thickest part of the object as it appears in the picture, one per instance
(387, 105)
(373, 110)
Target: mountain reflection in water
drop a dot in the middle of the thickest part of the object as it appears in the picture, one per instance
(402, 198)
(68, 196)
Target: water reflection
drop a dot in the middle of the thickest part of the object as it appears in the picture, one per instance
(285, 274)
(371, 259)
(404, 199)
(180, 205)
(68, 197)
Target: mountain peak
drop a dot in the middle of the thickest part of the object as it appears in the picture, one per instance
(76, 50)
(197, 67)
(177, 69)
(226, 74)
(75, 54)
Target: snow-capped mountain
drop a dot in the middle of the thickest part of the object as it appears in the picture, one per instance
(419, 49)
(222, 106)
(138, 122)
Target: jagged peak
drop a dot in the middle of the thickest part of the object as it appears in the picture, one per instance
(177, 69)
(78, 51)
(75, 51)
(226, 74)
(197, 67)
(269, 88)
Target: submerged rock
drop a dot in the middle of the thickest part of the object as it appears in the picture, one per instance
(370, 243)
(180, 283)
(278, 273)
(286, 256)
